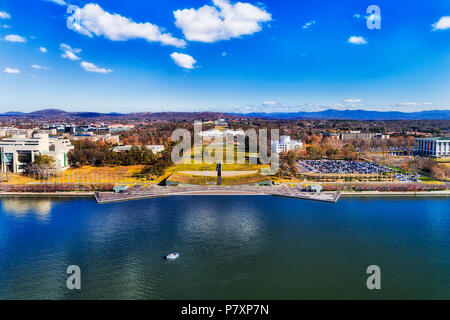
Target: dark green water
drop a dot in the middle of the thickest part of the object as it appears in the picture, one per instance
(248, 247)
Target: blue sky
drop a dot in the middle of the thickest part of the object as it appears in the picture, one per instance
(221, 55)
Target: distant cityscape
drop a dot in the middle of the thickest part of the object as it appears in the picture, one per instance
(78, 143)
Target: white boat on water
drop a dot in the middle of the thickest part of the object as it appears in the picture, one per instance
(172, 256)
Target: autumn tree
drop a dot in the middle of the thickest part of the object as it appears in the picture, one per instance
(437, 172)
(314, 152)
(41, 165)
(349, 152)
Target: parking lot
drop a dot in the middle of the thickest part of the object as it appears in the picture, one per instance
(345, 167)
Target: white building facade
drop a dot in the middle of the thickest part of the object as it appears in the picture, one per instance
(18, 151)
(285, 144)
(432, 147)
(351, 135)
(157, 148)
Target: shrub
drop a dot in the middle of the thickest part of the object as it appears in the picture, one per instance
(382, 187)
(57, 187)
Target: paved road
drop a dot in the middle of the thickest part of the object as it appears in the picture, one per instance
(214, 173)
(300, 168)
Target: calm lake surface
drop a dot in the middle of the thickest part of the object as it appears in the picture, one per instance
(249, 247)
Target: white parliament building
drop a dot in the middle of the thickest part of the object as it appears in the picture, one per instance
(432, 147)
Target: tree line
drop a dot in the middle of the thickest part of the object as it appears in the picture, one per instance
(94, 154)
(98, 155)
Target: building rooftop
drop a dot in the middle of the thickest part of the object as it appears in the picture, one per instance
(434, 138)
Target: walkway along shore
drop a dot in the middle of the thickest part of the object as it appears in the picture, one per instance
(280, 191)
(108, 197)
(442, 193)
(151, 192)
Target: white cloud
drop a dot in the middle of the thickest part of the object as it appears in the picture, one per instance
(11, 71)
(442, 24)
(309, 24)
(183, 60)
(275, 106)
(70, 55)
(36, 66)
(416, 106)
(93, 20)
(43, 49)
(353, 101)
(278, 107)
(222, 21)
(5, 26)
(357, 16)
(60, 2)
(357, 40)
(15, 38)
(4, 15)
(69, 52)
(90, 67)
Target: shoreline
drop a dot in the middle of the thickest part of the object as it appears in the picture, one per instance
(445, 193)
(63, 194)
(82, 194)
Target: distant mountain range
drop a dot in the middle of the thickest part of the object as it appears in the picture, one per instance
(58, 113)
(358, 115)
(326, 114)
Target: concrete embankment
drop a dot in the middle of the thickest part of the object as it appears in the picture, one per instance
(442, 193)
(107, 197)
(46, 194)
(141, 193)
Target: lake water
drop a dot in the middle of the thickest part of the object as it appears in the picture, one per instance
(231, 247)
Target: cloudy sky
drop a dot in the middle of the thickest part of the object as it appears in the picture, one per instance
(222, 55)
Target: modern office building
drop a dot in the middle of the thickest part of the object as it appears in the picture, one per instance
(11, 131)
(351, 135)
(119, 127)
(432, 147)
(18, 151)
(71, 128)
(91, 136)
(154, 148)
(285, 144)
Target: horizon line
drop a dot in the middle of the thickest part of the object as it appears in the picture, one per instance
(228, 112)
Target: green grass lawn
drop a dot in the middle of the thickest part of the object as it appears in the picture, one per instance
(212, 167)
(227, 181)
(429, 180)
